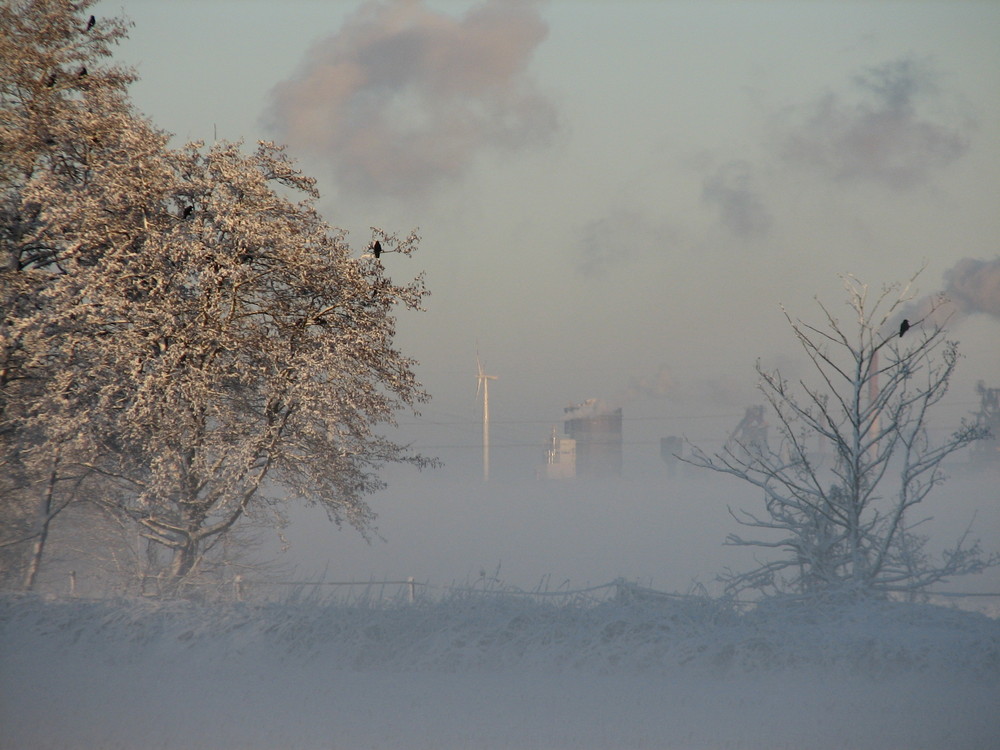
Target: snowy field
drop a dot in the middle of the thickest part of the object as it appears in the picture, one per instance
(484, 670)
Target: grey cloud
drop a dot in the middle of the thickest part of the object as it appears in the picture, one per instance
(732, 191)
(403, 98)
(881, 134)
(616, 240)
(663, 384)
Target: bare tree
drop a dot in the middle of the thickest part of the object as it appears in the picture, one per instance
(192, 345)
(846, 523)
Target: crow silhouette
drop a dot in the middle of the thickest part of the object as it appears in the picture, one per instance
(377, 249)
(90, 23)
(187, 211)
(83, 72)
(904, 327)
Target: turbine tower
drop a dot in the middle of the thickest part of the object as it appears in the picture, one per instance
(483, 384)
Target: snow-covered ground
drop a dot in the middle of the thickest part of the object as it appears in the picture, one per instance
(483, 670)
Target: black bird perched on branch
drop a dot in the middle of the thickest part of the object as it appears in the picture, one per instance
(187, 211)
(377, 248)
(90, 23)
(83, 72)
(904, 327)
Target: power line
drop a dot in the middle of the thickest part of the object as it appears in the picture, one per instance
(458, 422)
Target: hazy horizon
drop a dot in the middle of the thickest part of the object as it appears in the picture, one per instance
(614, 198)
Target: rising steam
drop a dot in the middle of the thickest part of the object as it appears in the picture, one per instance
(402, 97)
(592, 407)
(973, 286)
(970, 287)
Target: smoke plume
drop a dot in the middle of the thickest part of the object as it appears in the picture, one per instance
(659, 384)
(732, 191)
(970, 287)
(881, 137)
(402, 97)
(974, 286)
(592, 407)
(664, 384)
(617, 239)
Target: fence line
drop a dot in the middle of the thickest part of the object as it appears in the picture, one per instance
(410, 583)
(958, 593)
(623, 589)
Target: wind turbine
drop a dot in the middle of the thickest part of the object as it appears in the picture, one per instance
(483, 384)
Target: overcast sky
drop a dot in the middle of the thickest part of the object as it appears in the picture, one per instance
(614, 197)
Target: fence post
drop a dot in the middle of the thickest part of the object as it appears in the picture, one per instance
(412, 587)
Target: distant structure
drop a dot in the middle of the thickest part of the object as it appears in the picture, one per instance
(671, 449)
(560, 459)
(591, 446)
(483, 384)
(986, 452)
(597, 432)
(751, 433)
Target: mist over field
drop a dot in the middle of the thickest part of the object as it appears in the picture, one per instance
(487, 668)
(663, 531)
(543, 615)
(634, 215)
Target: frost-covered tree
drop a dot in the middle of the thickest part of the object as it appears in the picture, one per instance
(61, 105)
(187, 337)
(845, 523)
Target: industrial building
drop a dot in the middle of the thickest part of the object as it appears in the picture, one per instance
(560, 458)
(986, 452)
(592, 447)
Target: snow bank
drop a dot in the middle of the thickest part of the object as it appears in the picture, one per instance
(497, 630)
(488, 669)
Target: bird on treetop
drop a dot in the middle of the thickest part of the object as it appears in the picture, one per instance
(90, 23)
(377, 248)
(904, 327)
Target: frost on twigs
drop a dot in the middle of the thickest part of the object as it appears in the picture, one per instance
(852, 459)
(183, 342)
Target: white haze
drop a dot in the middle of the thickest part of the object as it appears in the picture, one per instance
(659, 530)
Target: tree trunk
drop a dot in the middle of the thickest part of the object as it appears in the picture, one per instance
(184, 560)
(45, 515)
